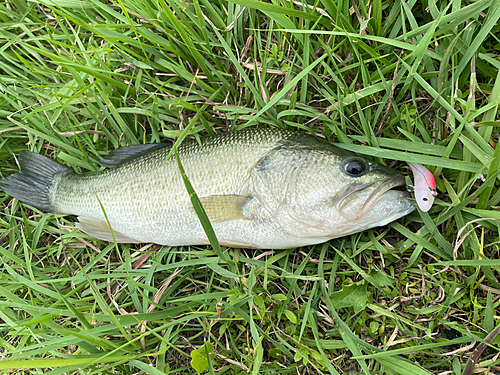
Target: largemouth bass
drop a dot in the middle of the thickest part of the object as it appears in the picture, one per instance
(260, 188)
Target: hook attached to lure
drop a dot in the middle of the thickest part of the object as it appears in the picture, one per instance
(425, 186)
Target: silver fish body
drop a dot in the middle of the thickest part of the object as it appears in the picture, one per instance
(260, 188)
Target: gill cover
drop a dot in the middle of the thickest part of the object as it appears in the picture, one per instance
(274, 180)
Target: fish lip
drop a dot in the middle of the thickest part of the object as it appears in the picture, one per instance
(385, 185)
(381, 187)
(351, 190)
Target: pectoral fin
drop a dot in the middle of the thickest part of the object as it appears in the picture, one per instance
(220, 208)
(100, 229)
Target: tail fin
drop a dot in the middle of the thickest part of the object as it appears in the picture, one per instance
(33, 184)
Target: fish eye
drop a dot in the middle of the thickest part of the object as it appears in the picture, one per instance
(355, 167)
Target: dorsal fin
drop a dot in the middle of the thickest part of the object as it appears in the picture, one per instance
(126, 154)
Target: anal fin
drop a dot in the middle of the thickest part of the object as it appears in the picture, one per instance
(101, 230)
(220, 208)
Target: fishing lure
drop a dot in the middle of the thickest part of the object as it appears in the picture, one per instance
(425, 186)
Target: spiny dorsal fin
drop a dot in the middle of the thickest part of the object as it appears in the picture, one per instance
(100, 229)
(220, 208)
(126, 154)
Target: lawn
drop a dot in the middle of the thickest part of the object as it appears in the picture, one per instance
(396, 81)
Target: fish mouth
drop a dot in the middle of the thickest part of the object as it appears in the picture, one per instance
(359, 199)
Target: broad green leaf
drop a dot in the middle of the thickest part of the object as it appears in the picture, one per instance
(354, 295)
(199, 359)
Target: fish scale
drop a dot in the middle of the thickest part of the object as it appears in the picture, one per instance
(261, 188)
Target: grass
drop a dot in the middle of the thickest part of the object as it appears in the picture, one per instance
(397, 81)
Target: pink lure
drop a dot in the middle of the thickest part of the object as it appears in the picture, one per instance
(425, 186)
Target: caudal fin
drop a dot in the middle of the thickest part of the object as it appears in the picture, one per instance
(33, 184)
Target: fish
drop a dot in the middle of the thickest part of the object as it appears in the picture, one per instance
(260, 188)
(425, 186)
